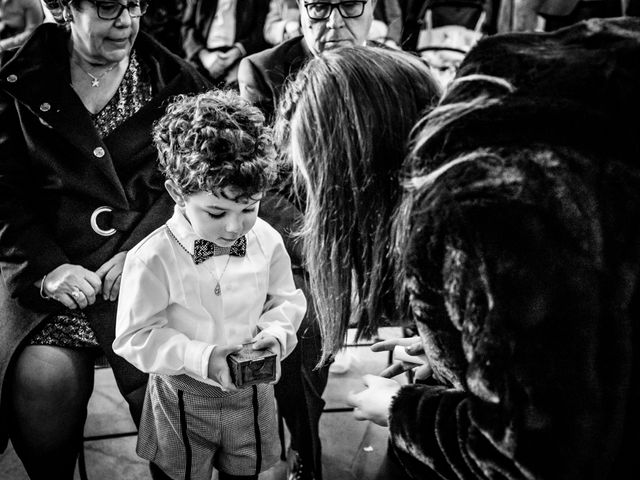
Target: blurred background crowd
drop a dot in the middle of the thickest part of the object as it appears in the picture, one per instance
(441, 31)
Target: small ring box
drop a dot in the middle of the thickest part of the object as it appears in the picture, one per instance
(250, 367)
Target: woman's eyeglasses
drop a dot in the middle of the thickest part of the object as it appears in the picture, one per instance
(322, 10)
(112, 10)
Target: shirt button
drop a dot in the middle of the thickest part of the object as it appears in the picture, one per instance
(98, 152)
(45, 107)
(12, 78)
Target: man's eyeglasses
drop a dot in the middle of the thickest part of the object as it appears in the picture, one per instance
(112, 10)
(322, 10)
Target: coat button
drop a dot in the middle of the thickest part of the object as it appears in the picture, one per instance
(45, 107)
(98, 152)
(12, 78)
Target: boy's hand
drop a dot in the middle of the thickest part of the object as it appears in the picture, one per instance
(264, 341)
(111, 274)
(218, 367)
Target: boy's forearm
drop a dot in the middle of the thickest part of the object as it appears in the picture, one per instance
(144, 335)
(282, 321)
(164, 351)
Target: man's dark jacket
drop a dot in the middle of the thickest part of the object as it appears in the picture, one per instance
(262, 76)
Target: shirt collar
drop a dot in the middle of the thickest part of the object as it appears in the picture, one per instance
(182, 229)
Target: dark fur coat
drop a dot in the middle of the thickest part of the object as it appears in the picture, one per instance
(522, 266)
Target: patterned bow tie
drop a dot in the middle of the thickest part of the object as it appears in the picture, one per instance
(203, 249)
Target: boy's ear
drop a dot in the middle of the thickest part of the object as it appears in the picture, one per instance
(174, 192)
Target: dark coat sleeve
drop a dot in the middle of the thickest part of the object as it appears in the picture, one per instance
(413, 14)
(23, 234)
(192, 37)
(250, 18)
(255, 88)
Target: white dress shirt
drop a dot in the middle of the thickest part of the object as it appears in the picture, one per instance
(169, 319)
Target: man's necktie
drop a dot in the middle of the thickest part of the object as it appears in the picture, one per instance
(203, 249)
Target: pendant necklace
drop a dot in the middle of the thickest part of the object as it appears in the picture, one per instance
(95, 80)
(217, 290)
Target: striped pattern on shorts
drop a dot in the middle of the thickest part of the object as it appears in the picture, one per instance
(188, 428)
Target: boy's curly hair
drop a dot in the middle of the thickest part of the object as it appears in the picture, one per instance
(214, 140)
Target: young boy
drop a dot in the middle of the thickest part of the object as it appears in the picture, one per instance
(212, 278)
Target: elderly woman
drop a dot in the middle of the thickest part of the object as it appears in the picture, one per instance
(78, 187)
(517, 249)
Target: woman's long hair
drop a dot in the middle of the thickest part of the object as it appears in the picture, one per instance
(344, 124)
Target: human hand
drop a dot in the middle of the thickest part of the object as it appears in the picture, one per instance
(72, 285)
(264, 341)
(291, 29)
(212, 63)
(207, 58)
(217, 69)
(110, 274)
(374, 402)
(230, 56)
(408, 353)
(219, 368)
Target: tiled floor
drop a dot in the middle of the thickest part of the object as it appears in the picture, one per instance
(351, 449)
